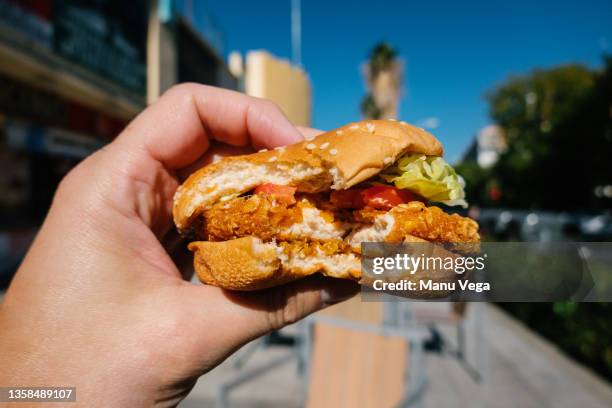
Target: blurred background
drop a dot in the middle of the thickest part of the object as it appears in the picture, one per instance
(519, 93)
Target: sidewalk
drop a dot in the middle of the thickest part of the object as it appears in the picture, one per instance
(278, 388)
(523, 370)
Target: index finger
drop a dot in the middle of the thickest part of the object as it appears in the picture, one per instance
(219, 150)
(177, 129)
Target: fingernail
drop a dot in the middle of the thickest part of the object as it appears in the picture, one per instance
(297, 137)
(336, 292)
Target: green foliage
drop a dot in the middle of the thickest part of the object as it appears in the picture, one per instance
(530, 109)
(534, 104)
(382, 57)
(559, 133)
(369, 109)
(558, 124)
(478, 182)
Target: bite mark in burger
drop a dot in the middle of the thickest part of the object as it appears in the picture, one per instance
(274, 216)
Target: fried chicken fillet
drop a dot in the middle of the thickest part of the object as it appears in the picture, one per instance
(262, 216)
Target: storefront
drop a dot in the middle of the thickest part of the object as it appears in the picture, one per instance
(73, 75)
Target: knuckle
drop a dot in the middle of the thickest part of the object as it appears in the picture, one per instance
(182, 90)
(272, 106)
(79, 180)
(267, 106)
(69, 181)
(285, 307)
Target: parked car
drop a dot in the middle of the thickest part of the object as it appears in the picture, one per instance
(543, 226)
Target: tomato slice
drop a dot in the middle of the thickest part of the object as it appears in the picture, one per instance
(387, 197)
(284, 194)
(380, 197)
(347, 199)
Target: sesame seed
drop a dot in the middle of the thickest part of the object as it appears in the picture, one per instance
(280, 148)
(339, 132)
(333, 152)
(309, 138)
(324, 145)
(388, 160)
(310, 146)
(370, 127)
(403, 123)
(273, 159)
(263, 150)
(354, 127)
(392, 119)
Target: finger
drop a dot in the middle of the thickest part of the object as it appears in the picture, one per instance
(254, 314)
(216, 151)
(308, 132)
(219, 150)
(177, 129)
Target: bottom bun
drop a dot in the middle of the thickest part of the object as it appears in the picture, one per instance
(247, 264)
(250, 264)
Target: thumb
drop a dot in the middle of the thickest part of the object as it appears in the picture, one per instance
(245, 316)
(274, 308)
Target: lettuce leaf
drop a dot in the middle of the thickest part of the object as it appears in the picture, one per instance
(429, 176)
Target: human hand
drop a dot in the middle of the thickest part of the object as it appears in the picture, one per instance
(99, 302)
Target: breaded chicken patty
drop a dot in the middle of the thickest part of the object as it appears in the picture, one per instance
(262, 216)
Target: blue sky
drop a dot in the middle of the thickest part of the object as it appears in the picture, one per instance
(454, 51)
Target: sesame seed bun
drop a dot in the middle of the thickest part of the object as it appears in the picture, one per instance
(335, 160)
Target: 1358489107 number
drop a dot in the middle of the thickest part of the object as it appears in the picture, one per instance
(39, 394)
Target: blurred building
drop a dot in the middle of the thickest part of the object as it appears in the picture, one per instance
(488, 144)
(184, 44)
(266, 76)
(73, 73)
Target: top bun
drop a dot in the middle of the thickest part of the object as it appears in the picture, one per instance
(335, 160)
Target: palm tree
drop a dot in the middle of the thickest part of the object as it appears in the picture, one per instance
(383, 75)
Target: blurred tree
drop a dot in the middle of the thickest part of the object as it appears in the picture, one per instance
(583, 145)
(383, 75)
(559, 130)
(368, 108)
(478, 182)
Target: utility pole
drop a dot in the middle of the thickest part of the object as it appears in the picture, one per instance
(296, 32)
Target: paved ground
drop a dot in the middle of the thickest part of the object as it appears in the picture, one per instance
(521, 370)
(279, 388)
